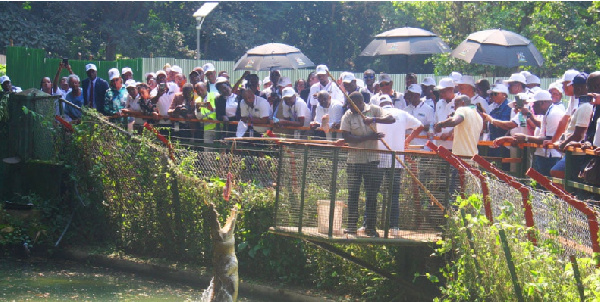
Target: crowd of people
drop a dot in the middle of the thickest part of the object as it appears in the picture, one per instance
(458, 111)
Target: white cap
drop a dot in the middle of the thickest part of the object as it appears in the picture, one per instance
(113, 73)
(499, 88)
(90, 66)
(322, 69)
(348, 78)
(288, 92)
(467, 80)
(542, 95)
(445, 83)
(176, 69)
(525, 73)
(556, 85)
(385, 98)
(415, 88)
(150, 74)
(125, 70)
(130, 83)
(455, 75)
(4, 79)
(569, 75)
(266, 80)
(516, 77)
(161, 72)
(532, 79)
(284, 82)
(428, 81)
(221, 80)
(208, 67)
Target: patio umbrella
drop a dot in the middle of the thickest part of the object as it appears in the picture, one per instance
(405, 41)
(273, 56)
(498, 47)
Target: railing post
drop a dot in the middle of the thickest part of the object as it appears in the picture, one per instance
(278, 187)
(302, 188)
(568, 169)
(387, 206)
(333, 190)
(511, 266)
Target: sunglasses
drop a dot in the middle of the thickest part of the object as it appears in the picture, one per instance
(495, 93)
(369, 76)
(384, 84)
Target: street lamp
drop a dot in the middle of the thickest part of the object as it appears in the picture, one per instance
(200, 14)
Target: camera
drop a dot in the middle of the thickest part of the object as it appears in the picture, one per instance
(585, 99)
(65, 62)
(162, 86)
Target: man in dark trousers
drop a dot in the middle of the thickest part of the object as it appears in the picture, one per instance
(94, 89)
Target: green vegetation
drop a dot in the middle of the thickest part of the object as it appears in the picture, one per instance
(478, 269)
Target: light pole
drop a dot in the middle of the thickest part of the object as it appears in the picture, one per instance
(200, 14)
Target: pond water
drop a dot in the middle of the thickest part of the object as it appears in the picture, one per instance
(41, 280)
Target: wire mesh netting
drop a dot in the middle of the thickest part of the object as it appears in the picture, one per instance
(322, 193)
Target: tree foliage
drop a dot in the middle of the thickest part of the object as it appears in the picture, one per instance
(333, 33)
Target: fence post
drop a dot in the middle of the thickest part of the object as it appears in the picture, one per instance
(387, 206)
(511, 266)
(302, 188)
(278, 187)
(577, 276)
(333, 191)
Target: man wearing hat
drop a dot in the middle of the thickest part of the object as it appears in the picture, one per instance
(94, 89)
(467, 124)
(427, 87)
(323, 84)
(516, 83)
(386, 86)
(295, 112)
(532, 81)
(466, 86)
(349, 83)
(126, 74)
(420, 110)
(362, 165)
(567, 89)
(151, 80)
(499, 121)
(116, 97)
(266, 83)
(444, 109)
(163, 95)
(211, 77)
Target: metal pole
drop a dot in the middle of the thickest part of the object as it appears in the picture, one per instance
(200, 21)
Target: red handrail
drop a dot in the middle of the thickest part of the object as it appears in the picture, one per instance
(163, 139)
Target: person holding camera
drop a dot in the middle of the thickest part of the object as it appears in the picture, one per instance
(116, 97)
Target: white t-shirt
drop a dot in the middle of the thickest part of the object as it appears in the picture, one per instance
(231, 105)
(476, 99)
(334, 92)
(580, 118)
(165, 100)
(297, 110)
(260, 110)
(442, 112)
(425, 114)
(520, 120)
(548, 128)
(335, 112)
(394, 134)
(397, 99)
(133, 104)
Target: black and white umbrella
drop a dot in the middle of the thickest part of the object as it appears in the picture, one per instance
(273, 56)
(498, 47)
(405, 41)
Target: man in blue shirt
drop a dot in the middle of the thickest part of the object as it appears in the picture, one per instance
(501, 112)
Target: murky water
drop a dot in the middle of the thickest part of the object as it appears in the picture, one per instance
(39, 280)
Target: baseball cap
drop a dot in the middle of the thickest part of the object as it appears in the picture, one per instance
(516, 77)
(284, 81)
(125, 70)
(287, 92)
(4, 79)
(176, 69)
(266, 80)
(90, 66)
(194, 72)
(525, 73)
(542, 95)
(456, 76)
(569, 75)
(532, 79)
(384, 77)
(150, 74)
(348, 78)
(161, 72)
(428, 81)
(557, 86)
(221, 80)
(385, 98)
(208, 67)
(581, 78)
(415, 88)
(467, 80)
(499, 88)
(322, 69)
(445, 83)
(130, 83)
(113, 73)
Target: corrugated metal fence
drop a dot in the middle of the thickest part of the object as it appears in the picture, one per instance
(27, 66)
